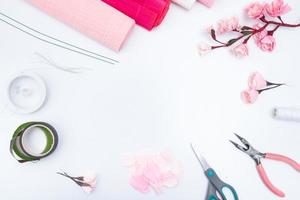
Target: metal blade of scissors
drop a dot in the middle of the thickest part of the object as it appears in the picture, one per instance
(200, 158)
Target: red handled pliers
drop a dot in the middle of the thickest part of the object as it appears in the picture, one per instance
(257, 156)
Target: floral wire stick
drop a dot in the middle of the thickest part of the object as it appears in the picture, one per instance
(94, 55)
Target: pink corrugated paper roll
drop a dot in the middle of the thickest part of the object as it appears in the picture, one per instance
(94, 18)
(146, 13)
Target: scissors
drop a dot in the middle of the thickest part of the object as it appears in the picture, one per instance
(257, 156)
(216, 185)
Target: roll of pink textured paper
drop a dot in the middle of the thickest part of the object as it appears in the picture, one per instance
(147, 13)
(94, 18)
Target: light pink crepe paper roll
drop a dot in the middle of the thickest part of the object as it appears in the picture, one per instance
(207, 3)
(93, 18)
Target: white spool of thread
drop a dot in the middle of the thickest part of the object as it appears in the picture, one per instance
(287, 114)
(187, 4)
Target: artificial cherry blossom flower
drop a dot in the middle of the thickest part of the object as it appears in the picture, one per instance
(249, 96)
(153, 171)
(87, 183)
(228, 25)
(241, 50)
(255, 10)
(256, 81)
(277, 8)
(267, 43)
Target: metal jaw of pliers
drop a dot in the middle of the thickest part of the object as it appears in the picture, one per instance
(248, 149)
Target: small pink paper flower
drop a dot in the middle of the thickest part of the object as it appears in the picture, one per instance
(153, 171)
(256, 81)
(249, 96)
(204, 49)
(277, 8)
(241, 50)
(260, 35)
(267, 43)
(228, 25)
(140, 183)
(255, 10)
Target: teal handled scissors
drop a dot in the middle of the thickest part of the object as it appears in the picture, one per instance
(216, 185)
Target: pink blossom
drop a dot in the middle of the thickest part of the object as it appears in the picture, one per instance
(249, 96)
(154, 171)
(204, 49)
(140, 183)
(241, 50)
(259, 36)
(255, 10)
(277, 8)
(228, 25)
(267, 43)
(256, 81)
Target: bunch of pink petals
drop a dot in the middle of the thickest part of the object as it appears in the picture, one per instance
(153, 171)
(257, 84)
(87, 183)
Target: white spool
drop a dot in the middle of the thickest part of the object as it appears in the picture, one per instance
(187, 4)
(287, 114)
(26, 93)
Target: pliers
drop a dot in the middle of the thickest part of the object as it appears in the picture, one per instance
(257, 156)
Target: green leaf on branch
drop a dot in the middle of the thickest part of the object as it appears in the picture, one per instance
(246, 32)
(213, 34)
(232, 41)
(246, 28)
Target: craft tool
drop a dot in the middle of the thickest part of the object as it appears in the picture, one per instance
(20, 151)
(51, 40)
(93, 18)
(258, 156)
(287, 114)
(26, 92)
(216, 185)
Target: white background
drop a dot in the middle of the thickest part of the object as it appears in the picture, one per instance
(162, 95)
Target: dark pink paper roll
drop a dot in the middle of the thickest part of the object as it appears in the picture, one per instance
(147, 13)
(91, 17)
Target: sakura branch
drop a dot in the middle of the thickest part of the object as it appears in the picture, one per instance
(268, 17)
(87, 183)
(256, 85)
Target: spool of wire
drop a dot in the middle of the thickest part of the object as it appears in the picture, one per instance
(26, 93)
(287, 114)
(22, 151)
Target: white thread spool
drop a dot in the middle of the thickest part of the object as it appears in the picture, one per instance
(26, 93)
(287, 114)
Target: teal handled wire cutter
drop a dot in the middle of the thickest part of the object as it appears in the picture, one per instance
(216, 185)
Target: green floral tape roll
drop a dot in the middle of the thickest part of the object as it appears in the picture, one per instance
(19, 151)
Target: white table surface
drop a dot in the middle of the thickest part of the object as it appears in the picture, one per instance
(161, 96)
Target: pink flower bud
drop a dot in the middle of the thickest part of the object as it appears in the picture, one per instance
(256, 81)
(241, 50)
(249, 96)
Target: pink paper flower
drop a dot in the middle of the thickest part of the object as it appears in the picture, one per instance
(260, 35)
(277, 8)
(255, 10)
(267, 43)
(241, 50)
(87, 183)
(153, 171)
(228, 25)
(249, 96)
(256, 81)
(140, 183)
